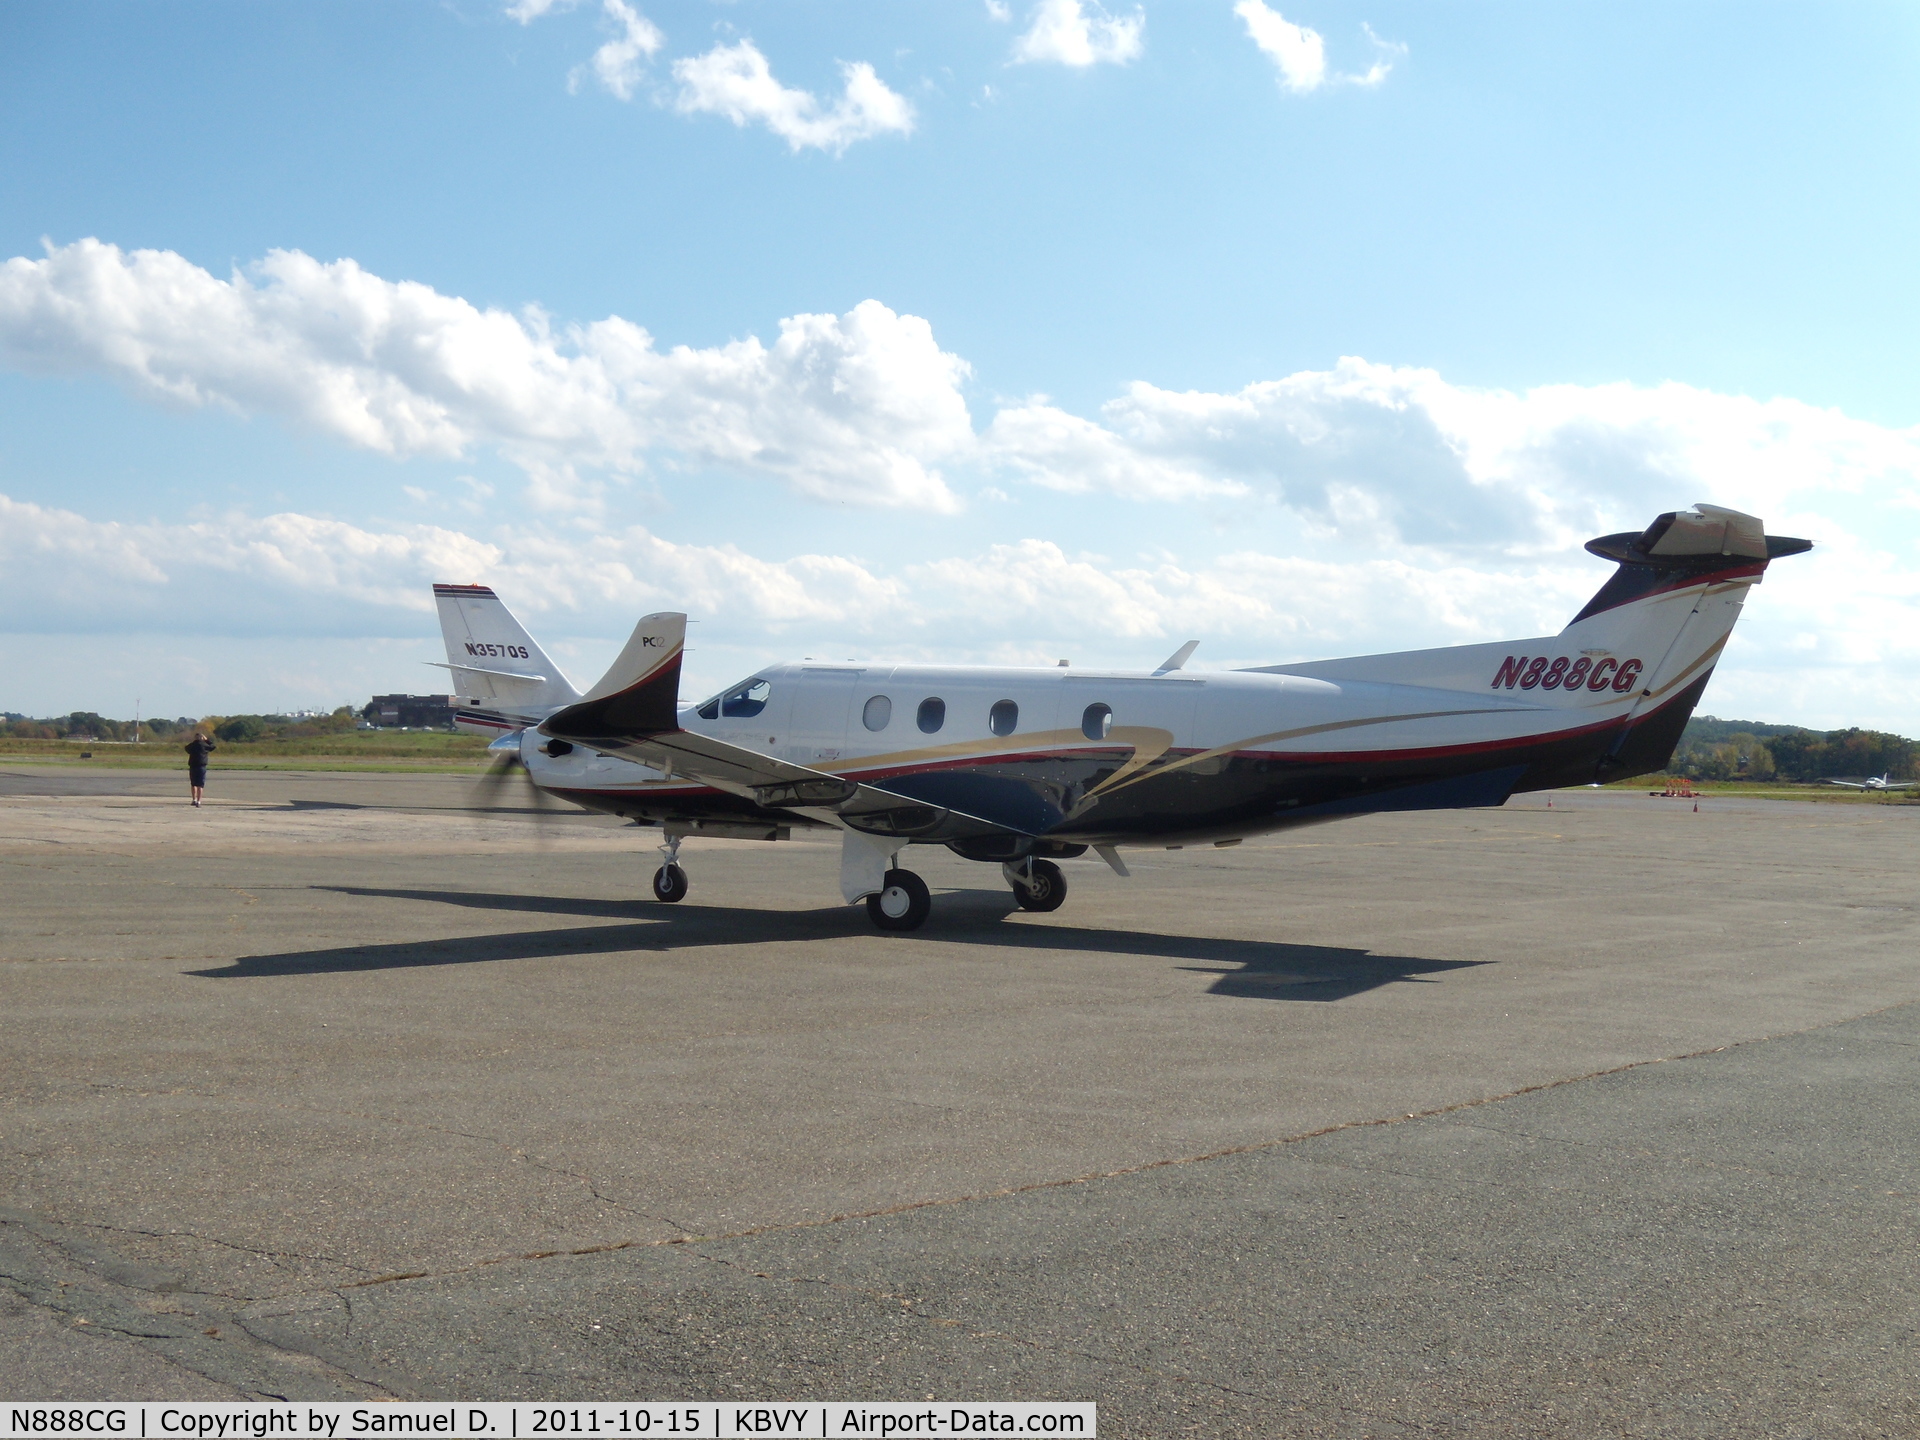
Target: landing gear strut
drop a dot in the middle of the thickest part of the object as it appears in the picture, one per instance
(901, 903)
(1037, 884)
(670, 881)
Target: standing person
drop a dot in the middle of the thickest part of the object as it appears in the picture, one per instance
(198, 749)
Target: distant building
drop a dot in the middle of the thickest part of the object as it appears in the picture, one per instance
(410, 712)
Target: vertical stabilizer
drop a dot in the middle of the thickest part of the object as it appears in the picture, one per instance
(1671, 604)
(500, 673)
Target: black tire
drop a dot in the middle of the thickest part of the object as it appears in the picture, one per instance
(902, 904)
(1049, 890)
(670, 884)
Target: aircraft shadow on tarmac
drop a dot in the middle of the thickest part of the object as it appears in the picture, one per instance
(1246, 969)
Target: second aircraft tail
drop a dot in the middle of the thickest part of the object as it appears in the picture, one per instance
(503, 679)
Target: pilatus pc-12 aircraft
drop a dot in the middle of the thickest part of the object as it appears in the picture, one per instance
(1021, 767)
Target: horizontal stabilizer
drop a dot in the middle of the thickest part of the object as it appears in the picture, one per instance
(483, 670)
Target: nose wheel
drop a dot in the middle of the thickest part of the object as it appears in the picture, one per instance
(1037, 884)
(670, 881)
(902, 902)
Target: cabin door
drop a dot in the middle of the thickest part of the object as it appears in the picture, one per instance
(822, 701)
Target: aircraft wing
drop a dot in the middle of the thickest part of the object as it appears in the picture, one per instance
(634, 711)
(1848, 784)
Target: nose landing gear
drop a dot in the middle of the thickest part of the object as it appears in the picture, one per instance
(902, 903)
(670, 881)
(1037, 884)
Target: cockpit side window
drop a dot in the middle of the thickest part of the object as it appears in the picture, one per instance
(745, 700)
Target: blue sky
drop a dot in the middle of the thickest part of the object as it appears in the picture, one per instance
(1583, 263)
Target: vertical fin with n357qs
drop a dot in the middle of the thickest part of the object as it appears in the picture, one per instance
(639, 694)
(494, 662)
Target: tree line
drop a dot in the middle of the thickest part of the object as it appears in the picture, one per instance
(227, 729)
(1713, 749)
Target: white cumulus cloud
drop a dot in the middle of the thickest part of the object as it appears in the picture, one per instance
(617, 64)
(528, 11)
(1070, 32)
(736, 81)
(856, 407)
(1395, 455)
(1063, 451)
(1300, 53)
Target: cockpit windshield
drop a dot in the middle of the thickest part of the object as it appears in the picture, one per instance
(744, 700)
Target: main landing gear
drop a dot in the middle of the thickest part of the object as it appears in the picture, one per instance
(1037, 884)
(670, 881)
(902, 902)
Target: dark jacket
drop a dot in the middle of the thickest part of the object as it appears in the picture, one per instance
(198, 749)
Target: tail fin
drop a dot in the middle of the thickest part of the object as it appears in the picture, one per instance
(499, 671)
(1671, 605)
(1635, 660)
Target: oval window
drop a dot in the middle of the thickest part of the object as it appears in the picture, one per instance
(1004, 717)
(1097, 722)
(749, 699)
(933, 714)
(878, 712)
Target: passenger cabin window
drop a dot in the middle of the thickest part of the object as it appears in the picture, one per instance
(1004, 718)
(878, 712)
(1097, 722)
(749, 699)
(933, 714)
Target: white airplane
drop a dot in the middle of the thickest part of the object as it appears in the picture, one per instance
(1021, 767)
(1875, 782)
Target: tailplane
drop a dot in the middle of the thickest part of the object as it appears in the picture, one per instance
(1682, 548)
(504, 680)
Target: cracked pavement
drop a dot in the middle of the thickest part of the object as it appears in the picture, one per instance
(1595, 1120)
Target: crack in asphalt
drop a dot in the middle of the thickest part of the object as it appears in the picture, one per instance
(275, 1256)
(106, 1313)
(593, 1188)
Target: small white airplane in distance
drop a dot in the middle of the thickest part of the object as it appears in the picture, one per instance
(1020, 767)
(1875, 782)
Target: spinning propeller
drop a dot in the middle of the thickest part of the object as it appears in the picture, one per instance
(505, 788)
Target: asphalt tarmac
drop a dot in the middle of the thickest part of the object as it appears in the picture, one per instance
(1596, 1120)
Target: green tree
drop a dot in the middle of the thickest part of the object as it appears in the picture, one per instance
(239, 729)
